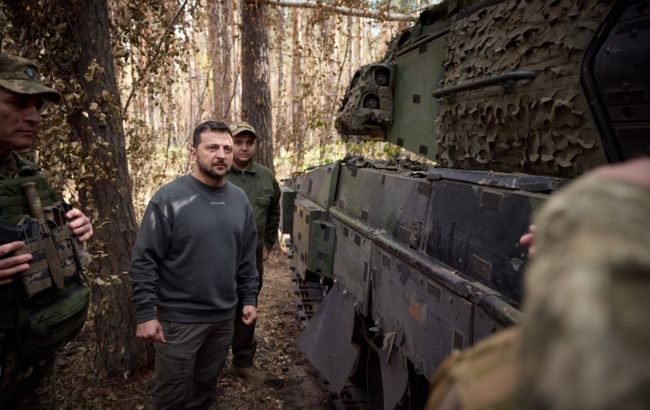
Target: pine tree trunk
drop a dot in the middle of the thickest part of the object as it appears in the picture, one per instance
(256, 90)
(215, 51)
(280, 122)
(296, 97)
(227, 61)
(118, 353)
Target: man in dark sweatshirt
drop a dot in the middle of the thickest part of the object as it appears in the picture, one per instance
(194, 258)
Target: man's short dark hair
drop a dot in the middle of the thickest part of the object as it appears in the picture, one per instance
(218, 126)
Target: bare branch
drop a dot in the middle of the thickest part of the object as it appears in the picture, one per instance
(346, 11)
(138, 82)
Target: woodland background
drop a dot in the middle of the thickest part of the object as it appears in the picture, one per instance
(137, 77)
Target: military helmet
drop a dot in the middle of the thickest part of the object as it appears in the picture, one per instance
(21, 76)
(242, 126)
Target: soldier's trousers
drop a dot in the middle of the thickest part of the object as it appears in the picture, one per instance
(188, 363)
(30, 388)
(244, 344)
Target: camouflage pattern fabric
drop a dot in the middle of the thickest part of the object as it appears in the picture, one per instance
(242, 126)
(484, 377)
(21, 76)
(586, 333)
(30, 389)
(22, 385)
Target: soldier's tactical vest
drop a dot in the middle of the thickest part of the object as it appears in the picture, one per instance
(47, 305)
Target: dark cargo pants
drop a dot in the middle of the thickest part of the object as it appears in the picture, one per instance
(244, 344)
(188, 363)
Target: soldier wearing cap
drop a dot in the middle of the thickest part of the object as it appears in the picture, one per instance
(23, 384)
(264, 195)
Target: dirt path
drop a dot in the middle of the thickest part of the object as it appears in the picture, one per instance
(292, 383)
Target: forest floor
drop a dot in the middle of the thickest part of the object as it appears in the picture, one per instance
(292, 383)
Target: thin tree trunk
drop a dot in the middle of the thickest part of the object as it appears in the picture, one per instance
(296, 98)
(151, 111)
(216, 52)
(227, 61)
(279, 99)
(256, 91)
(328, 96)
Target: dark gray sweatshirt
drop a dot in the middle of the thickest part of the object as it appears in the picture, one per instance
(195, 254)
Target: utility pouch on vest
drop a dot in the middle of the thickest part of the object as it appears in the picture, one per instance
(37, 278)
(51, 319)
(55, 252)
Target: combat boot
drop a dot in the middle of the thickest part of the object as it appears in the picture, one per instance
(251, 374)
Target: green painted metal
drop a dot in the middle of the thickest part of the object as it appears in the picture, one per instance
(287, 203)
(322, 238)
(415, 111)
(313, 239)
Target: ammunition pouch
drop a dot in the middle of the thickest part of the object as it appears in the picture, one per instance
(56, 255)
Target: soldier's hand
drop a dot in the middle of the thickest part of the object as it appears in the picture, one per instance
(80, 224)
(14, 264)
(150, 331)
(528, 240)
(249, 315)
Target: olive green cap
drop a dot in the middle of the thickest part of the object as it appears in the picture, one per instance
(20, 75)
(242, 126)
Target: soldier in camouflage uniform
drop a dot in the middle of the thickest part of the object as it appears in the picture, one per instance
(23, 385)
(263, 193)
(584, 341)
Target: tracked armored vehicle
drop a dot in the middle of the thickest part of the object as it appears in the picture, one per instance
(510, 99)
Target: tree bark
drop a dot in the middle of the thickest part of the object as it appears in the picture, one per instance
(215, 50)
(279, 99)
(256, 90)
(296, 97)
(227, 61)
(102, 138)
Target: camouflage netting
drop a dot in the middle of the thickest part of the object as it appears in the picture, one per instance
(543, 126)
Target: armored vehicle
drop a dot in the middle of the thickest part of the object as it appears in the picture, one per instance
(510, 99)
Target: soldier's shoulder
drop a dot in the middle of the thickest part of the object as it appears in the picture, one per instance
(23, 162)
(236, 189)
(267, 175)
(484, 376)
(261, 169)
(17, 165)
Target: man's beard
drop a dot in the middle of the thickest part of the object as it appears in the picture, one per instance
(208, 171)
